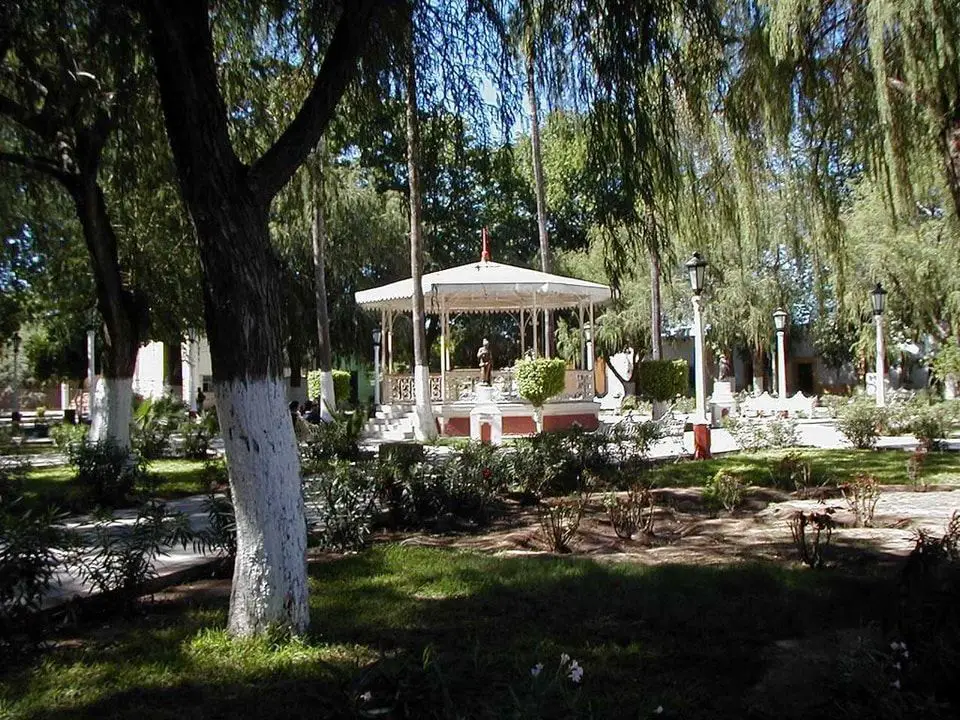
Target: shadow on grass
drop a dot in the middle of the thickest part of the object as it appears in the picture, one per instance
(463, 631)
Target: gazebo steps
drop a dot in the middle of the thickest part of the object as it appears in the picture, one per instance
(392, 423)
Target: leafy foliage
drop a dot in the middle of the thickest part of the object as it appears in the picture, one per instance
(105, 471)
(539, 379)
(725, 490)
(661, 380)
(197, 434)
(860, 422)
(341, 386)
(341, 501)
(811, 533)
(155, 421)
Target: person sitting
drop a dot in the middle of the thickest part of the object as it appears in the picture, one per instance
(312, 412)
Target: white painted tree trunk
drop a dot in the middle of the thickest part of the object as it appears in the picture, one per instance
(270, 573)
(950, 387)
(328, 396)
(425, 426)
(111, 411)
(538, 418)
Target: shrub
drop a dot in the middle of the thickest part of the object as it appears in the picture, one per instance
(123, 559)
(341, 386)
(66, 435)
(154, 422)
(860, 423)
(631, 514)
(542, 465)
(341, 500)
(220, 534)
(559, 521)
(862, 494)
(105, 472)
(820, 526)
(782, 434)
(198, 433)
(915, 465)
(724, 490)
(792, 473)
(946, 363)
(538, 380)
(30, 554)
(661, 380)
(929, 425)
(338, 439)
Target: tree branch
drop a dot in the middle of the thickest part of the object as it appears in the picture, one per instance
(20, 115)
(41, 165)
(275, 167)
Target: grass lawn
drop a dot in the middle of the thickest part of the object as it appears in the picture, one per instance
(889, 467)
(55, 486)
(457, 634)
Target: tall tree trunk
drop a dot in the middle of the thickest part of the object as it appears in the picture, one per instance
(124, 316)
(229, 204)
(425, 425)
(173, 368)
(656, 308)
(539, 183)
(318, 241)
(950, 139)
(758, 365)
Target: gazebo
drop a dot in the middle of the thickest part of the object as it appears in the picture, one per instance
(491, 287)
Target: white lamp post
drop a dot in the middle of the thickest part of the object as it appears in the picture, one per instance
(780, 322)
(376, 366)
(879, 297)
(697, 269)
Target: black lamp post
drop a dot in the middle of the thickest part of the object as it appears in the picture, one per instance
(879, 299)
(377, 336)
(697, 270)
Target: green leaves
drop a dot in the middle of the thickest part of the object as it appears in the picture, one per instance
(539, 379)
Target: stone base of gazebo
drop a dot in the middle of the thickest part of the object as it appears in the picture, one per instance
(518, 417)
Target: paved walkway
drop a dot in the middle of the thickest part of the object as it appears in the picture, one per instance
(819, 434)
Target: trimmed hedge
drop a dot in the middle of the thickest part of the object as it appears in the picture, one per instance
(341, 385)
(539, 379)
(661, 380)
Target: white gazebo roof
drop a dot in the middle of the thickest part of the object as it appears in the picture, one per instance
(486, 287)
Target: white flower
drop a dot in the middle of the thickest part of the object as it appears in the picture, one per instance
(367, 696)
(894, 646)
(896, 684)
(576, 672)
(536, 669)
(564, 659)
(659, 710)
(896, 666)
(906, 654)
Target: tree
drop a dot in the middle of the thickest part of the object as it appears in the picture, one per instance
(68, 74)
(425, 425)
(229, 202)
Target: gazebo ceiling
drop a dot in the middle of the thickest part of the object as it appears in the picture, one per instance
(484, 287)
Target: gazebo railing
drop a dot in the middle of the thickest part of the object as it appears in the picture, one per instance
(461, 386)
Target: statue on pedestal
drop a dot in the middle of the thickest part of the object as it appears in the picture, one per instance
(485, 358)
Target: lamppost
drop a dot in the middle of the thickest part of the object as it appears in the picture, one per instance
(879, 297)
(376, 366)
(780, 323)
(15, 415)
(697, 269)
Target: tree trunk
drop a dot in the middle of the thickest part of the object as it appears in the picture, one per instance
(425, 425)
(659, 408)
(124, 318)
(229, 204)
(950, 138)
(318, 240)
(758, 371)
(539, 185)
(173, 370)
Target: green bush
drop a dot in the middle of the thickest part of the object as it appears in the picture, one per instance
(947, 361)
(539, 379)
(105, 472)
(337, 439)
(29, 558)
(154, 422)
(197, 435)
(724, 490)
(66, 435)
(930, 425)
(341, 503)
(860, 422)
(341, 386)
(661, 380)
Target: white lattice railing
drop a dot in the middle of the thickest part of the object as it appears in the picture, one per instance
(461, 385)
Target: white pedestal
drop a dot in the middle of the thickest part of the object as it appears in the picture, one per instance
(486, 413)
(722, 402)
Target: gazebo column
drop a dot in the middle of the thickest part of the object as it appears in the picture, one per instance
(390, 315)
(536, 328)
(593, 339)
(546, 333)
(523, 334)
(583, 338)
(444, 353)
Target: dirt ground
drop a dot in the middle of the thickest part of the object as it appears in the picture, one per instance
(685, 531)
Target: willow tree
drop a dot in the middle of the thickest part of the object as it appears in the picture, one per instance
(897, 76)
